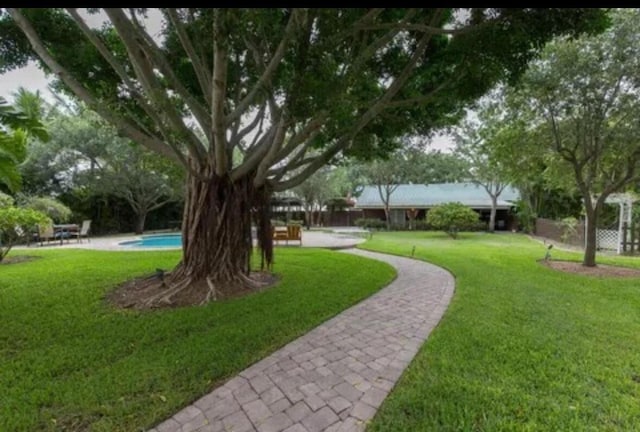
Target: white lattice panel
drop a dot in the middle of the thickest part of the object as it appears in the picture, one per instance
(607, 239)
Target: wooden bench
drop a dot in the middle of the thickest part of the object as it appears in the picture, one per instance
(286, 233)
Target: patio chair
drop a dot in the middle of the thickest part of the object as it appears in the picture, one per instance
(84, 231)
(45, 232)
(294, 232)
(290, 232)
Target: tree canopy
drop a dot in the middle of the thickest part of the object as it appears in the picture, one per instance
(581, 104)
(278, 83)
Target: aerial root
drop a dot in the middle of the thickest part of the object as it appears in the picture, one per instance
(164, 297)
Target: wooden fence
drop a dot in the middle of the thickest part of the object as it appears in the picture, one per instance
(553, 230)
(630, 238)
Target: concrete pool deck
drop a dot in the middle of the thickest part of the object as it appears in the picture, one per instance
(331, 238)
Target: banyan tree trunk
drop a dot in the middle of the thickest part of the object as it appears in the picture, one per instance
(216, 238)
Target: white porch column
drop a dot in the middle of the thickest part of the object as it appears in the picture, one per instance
(620, 227)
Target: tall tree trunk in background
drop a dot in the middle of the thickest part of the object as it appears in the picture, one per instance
(492, 215)
(589, 259)
(141, 217)
(308, 215)
(387, 215)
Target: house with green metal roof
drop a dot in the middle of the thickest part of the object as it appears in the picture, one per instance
(419, 198)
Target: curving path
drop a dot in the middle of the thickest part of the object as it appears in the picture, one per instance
(335, 377)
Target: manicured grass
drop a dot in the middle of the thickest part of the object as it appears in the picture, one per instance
(522, 347)
(70, 362)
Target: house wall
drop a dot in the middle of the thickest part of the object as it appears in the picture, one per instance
(505, 221)
(373, 214)
(342, 217)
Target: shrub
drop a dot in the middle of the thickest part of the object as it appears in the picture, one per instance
(51, 207)
(16, 224)
(452, 217)
(400, 227)
(478, 226)
(526, 216)
(370, 223)
(421, 225)
(5, 200)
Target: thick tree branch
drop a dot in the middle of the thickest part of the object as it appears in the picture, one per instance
(421, 100)
(564, 152)
(374, 46)
(220, 60)
(199, 67)
(269, 71)
(309, 130)
(315, 165)
(123, 125)
(295, 162)
(160, 204)
(119, 69)
(155, 91)
(104, 51)
(274, 148)
(426, 28)
(152, 49)
(259, 151)
(629, 177)
(394, 88)
(256, 122)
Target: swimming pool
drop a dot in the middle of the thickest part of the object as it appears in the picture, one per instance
(155, 241)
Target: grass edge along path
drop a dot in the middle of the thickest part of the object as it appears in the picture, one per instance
(70, 362)
(521, 347)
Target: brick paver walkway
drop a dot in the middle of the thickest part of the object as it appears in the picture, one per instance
(335, 377)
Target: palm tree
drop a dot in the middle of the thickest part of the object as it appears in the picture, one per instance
(17, 124)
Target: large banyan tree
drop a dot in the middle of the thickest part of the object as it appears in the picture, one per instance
(252, 101)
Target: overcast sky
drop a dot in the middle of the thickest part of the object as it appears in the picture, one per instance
(32, 78)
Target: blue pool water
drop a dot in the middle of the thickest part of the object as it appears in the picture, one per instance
(156, 241)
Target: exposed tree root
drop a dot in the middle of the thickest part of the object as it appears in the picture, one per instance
(165, 296)
(211, 294)
(152, 293)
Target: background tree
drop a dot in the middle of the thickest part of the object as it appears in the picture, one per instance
(317, 191)
(86, 153)
(289, 89)
(582, 98)
(526, 168)
(434, 166)
(386, 175)
(478, 140)
(452, 218)
(52, 208)
(144, 180)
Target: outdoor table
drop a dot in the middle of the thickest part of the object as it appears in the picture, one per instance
(63, 229)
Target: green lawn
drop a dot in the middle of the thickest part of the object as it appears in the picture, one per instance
(70, 362)
(522, 347)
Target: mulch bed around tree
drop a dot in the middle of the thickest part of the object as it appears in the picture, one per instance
(601, 270)
(133, 293)
(19, 259)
